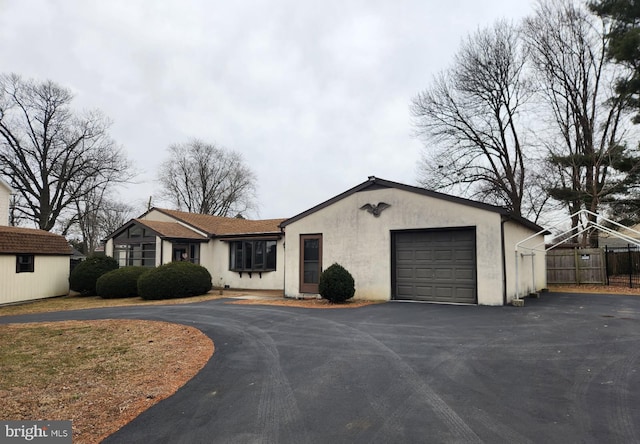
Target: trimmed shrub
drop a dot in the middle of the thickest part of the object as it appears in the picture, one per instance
(174, 280)
(120, 283)
(84, 276)
(336, 284)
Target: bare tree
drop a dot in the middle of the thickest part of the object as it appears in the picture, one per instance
(52, 157)
(470, 119)
(97, 216)
(585, 144)
(203, 178)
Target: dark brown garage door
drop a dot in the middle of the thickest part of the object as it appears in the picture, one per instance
(435, 265)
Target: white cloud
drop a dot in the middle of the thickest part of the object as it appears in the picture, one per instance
(314, 94)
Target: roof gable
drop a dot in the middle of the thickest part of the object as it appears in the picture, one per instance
(374, 183)
(17, 240)
(164, 230)
(172, 230)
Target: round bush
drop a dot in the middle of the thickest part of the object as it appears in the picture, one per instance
(336, 284)
(174, 280)
(84, 276)
(120, 283)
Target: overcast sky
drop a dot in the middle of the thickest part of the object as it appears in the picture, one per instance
(314, 94)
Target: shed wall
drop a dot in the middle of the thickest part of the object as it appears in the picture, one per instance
(49, 278)
(531, 279)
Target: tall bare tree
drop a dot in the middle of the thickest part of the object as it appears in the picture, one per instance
(52, 156)
(96, 216)
(577, 90)
(202, 178)
(470, 120)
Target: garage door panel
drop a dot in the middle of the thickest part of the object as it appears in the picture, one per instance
(423, 273)
(405, 256)
(443, 255)
(464, 255)
(465, 275)
(436, 265)
(444, 292)
(444, 273)
(423, 255)
(425, 291)
(466, 292)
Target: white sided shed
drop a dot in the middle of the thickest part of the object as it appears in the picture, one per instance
(407, 243)
(34, 264)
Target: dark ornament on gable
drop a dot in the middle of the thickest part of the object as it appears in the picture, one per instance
(375, 209)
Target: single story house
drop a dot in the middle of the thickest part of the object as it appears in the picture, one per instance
(398, 241)
(239, 253)
(34, 264)
(407, 243)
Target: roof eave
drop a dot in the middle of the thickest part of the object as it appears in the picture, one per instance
(35, 253)
(526, 223)
(278, 234)
(373, 181)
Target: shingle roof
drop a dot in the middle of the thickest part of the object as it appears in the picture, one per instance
(31, 241)
(170, 229)
(217, 225)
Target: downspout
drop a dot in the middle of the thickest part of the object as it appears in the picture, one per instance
(284, 263)
(504, 263)
(533, 272)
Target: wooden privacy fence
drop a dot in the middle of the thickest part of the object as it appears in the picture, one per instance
(576, 266)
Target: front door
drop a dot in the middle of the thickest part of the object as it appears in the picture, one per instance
(310, 262)
(180, 254)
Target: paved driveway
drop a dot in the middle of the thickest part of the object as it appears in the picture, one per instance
(565, 368)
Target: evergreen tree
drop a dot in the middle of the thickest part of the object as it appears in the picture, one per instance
(624, 44)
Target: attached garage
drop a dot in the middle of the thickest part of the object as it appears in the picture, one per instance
(407, 243)
(436, 265)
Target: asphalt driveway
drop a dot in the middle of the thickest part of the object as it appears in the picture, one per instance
(565, 368)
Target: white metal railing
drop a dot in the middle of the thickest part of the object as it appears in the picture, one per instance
(590, 224)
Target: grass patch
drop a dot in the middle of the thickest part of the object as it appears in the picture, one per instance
(99, 374)
(76, 302)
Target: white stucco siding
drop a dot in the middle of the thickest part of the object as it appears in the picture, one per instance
(207, 258)
(5, 197)
(218, 265)
(108, 248)
(362, 243)
(164, 251)
(158, 216)
(49, 278)
(530, 279)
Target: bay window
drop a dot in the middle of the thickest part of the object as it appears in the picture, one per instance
(252, 255)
